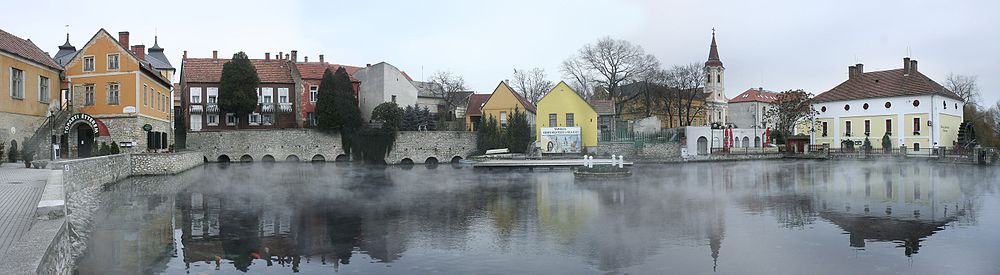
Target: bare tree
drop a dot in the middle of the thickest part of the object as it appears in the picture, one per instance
(686, 98)
(791, 107)
(449, 88)
(995, 117)
(965, 86)
(582, 80)
(532, 83)
(610, 63)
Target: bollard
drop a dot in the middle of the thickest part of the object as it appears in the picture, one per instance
(584, 160)
(621, 161)
(613, 157)
(590, 162)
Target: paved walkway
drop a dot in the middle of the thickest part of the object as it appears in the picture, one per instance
(20, 191)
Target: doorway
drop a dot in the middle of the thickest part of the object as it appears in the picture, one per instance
(84, 140)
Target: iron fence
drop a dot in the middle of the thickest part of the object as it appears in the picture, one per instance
(627, 135)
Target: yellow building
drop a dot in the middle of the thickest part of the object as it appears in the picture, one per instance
(29, 86)
(561, 108)
(122, 90)
(912, 109)
(502, 103)
(661, 100)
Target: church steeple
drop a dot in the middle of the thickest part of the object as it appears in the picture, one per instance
(713, 54)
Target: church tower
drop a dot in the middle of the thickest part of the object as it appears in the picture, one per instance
(715, 86)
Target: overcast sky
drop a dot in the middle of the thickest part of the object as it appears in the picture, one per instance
(777, 45)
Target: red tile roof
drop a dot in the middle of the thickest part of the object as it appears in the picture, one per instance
(603, 106)
(524, 101)
(315, 70)
(476, 102)
(755, 95)
(207, 70)
(25, 49)
(888, 83)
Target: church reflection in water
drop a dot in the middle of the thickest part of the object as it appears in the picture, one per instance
(381, 214)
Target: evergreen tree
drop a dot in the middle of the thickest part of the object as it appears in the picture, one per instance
(337, 108)
(427, 119)
(389, 114)
(104, 150)
(238, 87)
(488, 136)
(115, 149)
(886, 143)
(517, 136)
(411, 119)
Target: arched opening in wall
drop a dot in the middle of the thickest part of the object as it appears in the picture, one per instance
(756, 141)
(702, 146)
(406, 161)
(318, 158)
(456, 159)
(746, 142)
(431, 161)
(246, 158)
(342, 158)
(205, 159)
(223, 159)
(292, 158)
(267, 158)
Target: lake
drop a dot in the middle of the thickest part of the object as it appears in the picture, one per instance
(759, 217)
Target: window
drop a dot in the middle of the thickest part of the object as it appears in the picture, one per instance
(823, 109)
(865, 106)
(196, 95)
(888, 126)
(824, 128)
(569, 120)
(916, 147)
(312, 118)
(552, 120)
(113, 61)
(254, 118)
(265, 92)
(847, 132)
(113, 93)
(145, 90)
(503, 119)
(282, 95)
(88, 63)
(868, 127)
(916, 126)
(88, 94)
(267, 119)
(888, 105)
(195, 122)
(916, 103)
(267, 99)
(231, 119)
(847, 107)
(313, 90)
(213, 94)
(16, 83)
(43, 89)
(945, 104)
(213, 120)
(393, 98)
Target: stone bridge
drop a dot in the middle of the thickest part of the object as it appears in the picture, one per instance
(310, 145)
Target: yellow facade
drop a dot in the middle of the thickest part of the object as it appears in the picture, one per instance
(32, 103)
(561, 102)
(137, 87)
(876, 129)
(502, 103)
(949, 129)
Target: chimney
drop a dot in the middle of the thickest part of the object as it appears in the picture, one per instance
(140, 51)
(267, 56)
(280, 54)
(368, 65)
(321, 58)
(123, 39)
(906, 66)
(913, 65)
(286, 56)
(215, 55)
(295, 56)
(185, 56)
(861, 68)
(306, 59)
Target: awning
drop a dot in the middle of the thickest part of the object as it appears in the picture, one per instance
(102, 130)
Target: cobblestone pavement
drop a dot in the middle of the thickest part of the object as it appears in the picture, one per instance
(20, 190)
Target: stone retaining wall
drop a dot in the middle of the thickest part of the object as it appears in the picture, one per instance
(649, 151)
(308, 144)
(161, 164)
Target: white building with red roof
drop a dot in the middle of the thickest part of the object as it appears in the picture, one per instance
(747, 109)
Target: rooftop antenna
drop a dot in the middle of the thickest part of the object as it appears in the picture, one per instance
(907, 51)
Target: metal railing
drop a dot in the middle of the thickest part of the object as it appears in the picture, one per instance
(626, 135)
(746, 151)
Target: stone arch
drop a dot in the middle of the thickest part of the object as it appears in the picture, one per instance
(456, 159)
(246, 158)
(756, 141)
(702, 145)
(223, 158)
(746, 142)
(431, 161)
(318, 158)
(267, 158)
(204, 158)
(292, 158)
(406, 161)
(342, 158)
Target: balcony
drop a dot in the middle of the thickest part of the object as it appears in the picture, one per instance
(285, 107)
(196, 109)
(212, 108)
(267, 107)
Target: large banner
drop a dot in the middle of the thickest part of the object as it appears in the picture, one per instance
(560, 140)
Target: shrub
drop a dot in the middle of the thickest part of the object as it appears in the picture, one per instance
(115, 149)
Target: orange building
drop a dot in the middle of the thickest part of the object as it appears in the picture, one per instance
(119, 95)
(28, 92)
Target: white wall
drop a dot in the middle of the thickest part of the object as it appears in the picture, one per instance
(900, 106)
(379, 83)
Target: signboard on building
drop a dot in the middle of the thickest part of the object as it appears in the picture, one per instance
(557, 140)
(128, 110)
(81, 117)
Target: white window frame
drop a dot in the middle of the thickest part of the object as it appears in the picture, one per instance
(265, 92)
(282, 95)
(503, 119)
(313, 93)
(44, 89)
(89, 95)
(267, 119)
(213, 120)
(312, 118)
(117, 62)
(195, 122)
(212, 96)
(232, 119)
(16, 85)
(195, 93)
(114, 93)
(93, 63)
(254, 118)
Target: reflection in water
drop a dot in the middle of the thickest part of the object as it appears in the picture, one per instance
(691, 218)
